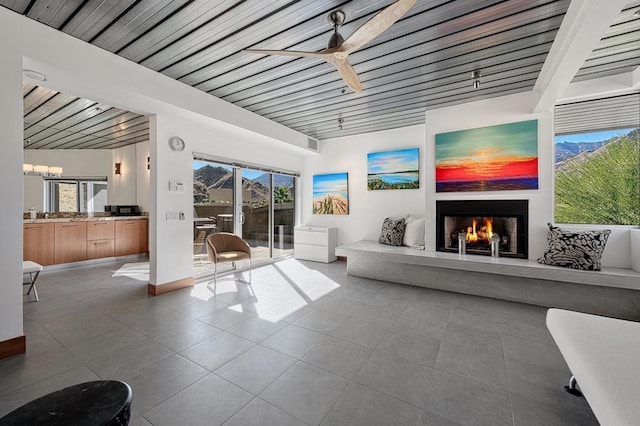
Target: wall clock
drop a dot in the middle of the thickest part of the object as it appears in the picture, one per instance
(176, 143)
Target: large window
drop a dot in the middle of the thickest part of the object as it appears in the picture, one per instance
(597, 162)
(75, 195)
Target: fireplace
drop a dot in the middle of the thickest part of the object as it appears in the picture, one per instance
(478, 221)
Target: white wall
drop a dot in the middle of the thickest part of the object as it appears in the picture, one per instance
(511, 109)
(130, 187)
(123, 188)
(11, 189)
(173, 247)
(367, 209)
(507, 109)
(143, 180)
(75, 162)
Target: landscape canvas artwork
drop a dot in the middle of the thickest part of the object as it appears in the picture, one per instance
(494, 158)
(399, 169)
(331, 194)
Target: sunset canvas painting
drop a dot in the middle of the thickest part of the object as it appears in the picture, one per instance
(331, 194)
(397, 169)
(494, 158)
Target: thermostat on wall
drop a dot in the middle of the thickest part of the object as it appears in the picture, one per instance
(176, 185)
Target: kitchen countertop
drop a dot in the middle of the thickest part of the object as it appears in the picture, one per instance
(84, 219)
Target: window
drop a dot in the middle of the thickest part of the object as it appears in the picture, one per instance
(78, 195)
(597, 162)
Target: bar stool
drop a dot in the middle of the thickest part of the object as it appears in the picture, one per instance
(33, 270)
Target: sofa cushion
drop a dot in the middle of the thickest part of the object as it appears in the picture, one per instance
(413, 232)
(575, 249)
(392, 232)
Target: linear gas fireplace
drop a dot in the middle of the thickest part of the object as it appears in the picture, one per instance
(478, 221)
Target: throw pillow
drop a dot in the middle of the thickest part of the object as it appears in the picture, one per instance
(414, 232)
(575, 249)
(392, 232)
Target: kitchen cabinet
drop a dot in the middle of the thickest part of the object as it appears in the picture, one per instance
(100, 239)
(37, 243)
(97, 249)
(100, 230)
(70, 241)
(131, 237)
(315, 243)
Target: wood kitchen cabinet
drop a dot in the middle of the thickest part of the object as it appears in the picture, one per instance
(38, 243)
(100, 239)
(131, 237)
(70, 241)
(100, 230)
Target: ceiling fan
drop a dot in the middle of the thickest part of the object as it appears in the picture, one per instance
(338, 49)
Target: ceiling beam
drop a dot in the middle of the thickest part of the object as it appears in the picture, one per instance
(582, 28)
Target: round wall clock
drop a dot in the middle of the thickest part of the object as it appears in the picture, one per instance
(176, 143)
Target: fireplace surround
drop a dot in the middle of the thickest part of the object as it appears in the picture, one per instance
(478, 220)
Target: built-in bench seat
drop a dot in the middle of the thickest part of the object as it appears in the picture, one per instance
(612, 291)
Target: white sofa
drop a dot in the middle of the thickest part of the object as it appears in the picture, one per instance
(603, 355)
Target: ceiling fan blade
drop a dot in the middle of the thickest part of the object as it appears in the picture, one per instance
(286, 53)
(348, 74)
(376, 25)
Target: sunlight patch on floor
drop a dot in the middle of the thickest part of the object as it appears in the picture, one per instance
(138, 271)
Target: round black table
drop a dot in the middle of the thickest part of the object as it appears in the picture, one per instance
(103, 402)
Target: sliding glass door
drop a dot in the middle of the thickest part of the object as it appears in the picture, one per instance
(256, 212)
(258, 205)
(213, 197)
(283, 214)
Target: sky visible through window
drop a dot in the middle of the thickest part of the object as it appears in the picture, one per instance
(592, 137)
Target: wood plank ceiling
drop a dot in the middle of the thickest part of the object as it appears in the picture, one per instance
(423, 61)
(619, 49)
(54, 120)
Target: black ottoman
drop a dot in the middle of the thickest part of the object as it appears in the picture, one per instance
(99, 403)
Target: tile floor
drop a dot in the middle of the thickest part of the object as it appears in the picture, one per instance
(309, 345)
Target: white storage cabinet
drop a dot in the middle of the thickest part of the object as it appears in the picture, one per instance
(315, 243)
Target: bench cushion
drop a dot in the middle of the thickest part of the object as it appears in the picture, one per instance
(28, 266)
(604, 356)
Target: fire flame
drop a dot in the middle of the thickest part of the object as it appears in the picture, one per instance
(473, 236)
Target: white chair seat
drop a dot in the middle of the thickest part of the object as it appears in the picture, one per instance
(28, 266)
(33, 270)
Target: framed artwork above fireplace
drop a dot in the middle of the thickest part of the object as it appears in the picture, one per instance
(494, 158)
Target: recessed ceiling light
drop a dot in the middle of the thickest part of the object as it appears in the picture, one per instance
(636, 14)
(34, 75)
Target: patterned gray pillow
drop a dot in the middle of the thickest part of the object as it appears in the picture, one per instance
(577, 250)
(392, 232)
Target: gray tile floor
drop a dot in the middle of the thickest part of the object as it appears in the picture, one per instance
(306, 345)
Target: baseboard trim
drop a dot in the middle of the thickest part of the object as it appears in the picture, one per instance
(341, 258)
(11, 347)
(156, 290)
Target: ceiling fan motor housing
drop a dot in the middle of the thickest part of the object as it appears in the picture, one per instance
(336, 18)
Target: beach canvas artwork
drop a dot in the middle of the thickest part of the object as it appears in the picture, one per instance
(331, 194)
(399, 169)
(494, 158)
